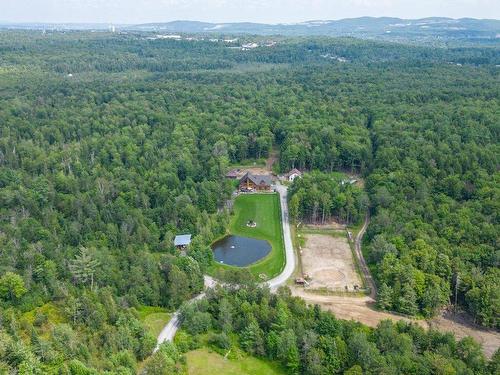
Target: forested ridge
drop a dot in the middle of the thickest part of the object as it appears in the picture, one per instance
(306, 340)
(112, 144)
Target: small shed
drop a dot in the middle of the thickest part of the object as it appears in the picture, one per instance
(293, 174)
(233, 174)
(182, 241)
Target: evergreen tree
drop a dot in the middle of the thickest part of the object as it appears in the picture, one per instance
(407, 302)
(84, 267)
(384, 297)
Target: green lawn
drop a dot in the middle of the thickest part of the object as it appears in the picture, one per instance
(154, 318)
(265, 210)
(204, 362)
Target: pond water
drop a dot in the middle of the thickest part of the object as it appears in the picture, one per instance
(240, 251)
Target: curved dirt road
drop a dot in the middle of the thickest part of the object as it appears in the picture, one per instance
(168, 332)
(364, 267)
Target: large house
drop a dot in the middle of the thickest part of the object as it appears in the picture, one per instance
(251, 182)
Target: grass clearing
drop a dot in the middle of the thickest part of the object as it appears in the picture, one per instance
(265, 210)
(43, 318)
(332, 232)
(154, 318)
(49, 311)
(206, 362)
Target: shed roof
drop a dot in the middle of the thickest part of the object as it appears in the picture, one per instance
(182, 240)
(295, 171)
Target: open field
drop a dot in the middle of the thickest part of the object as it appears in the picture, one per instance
(328, 261)
(204, 362)
(265, 210)
(153, 318)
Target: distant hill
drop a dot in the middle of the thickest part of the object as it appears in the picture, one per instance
(435, 28)
(365, 27)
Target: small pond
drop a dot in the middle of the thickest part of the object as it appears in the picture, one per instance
(240, 251)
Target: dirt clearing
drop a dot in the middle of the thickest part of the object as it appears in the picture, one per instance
(328, 261)
(355, 308)
(461, 327)
(361, 309)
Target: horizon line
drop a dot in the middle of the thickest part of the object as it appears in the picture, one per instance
(235, 22)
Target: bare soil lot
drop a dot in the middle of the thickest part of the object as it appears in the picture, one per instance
(328, 261)
(361, 309)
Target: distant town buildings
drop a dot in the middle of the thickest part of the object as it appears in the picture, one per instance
(249, 46)
(169, 36)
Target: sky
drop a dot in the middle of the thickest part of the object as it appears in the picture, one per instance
(265, 11)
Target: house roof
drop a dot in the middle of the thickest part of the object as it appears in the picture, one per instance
(258, 179)
(295, 171)
(182, 240)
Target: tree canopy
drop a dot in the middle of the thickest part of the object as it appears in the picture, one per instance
(111, 144)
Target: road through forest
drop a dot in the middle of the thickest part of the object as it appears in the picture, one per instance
(360, 309)
(168, 332)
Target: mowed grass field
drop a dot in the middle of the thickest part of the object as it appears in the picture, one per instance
(154, 318)
(204, 362)
(265, 210)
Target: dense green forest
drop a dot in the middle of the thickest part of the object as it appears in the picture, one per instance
(318, 197)
(306, 340)
(111, 144)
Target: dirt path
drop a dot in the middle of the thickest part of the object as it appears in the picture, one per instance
(273, 157)
(360, 309)
(364, 267)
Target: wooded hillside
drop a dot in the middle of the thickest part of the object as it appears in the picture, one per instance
(112, 144)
